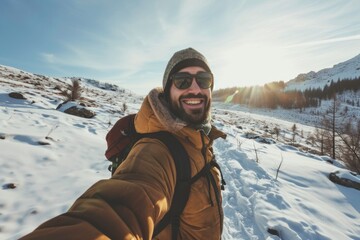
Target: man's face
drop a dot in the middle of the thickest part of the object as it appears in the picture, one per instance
(191, 104)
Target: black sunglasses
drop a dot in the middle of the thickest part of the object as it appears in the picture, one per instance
(183, 80)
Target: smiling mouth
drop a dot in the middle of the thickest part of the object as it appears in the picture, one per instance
(193, 101)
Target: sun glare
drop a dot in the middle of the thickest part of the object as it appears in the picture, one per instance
(255, 64)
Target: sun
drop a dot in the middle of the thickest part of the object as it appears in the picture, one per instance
(254, 64)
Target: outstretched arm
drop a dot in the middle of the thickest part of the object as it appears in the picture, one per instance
(127, 206)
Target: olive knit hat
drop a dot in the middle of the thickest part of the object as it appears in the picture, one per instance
(184, 58)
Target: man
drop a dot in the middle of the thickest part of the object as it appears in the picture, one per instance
(135, 199)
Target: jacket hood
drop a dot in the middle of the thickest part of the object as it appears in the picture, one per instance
(154, 115)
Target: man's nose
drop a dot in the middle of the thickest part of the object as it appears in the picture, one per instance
(194, 86)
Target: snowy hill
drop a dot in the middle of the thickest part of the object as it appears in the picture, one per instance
(345, 70)
(48, 158)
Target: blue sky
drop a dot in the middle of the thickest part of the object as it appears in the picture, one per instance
(129, 42)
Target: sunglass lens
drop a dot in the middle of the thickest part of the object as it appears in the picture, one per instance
(182, 81)
(204, 80)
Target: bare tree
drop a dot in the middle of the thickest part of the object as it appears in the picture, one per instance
(277, 132)
(331, 122)
(124, 107)
(239, 142)
(339, 136)
(73, 93)
(278, 169)
(350, 149)
(317, 139)
(256, 153)
(294, 130)
(75, 90)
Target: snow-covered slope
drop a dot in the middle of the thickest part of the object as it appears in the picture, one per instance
(48, 158)
(345, 70)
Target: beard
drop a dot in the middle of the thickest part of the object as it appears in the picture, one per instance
(194, 116)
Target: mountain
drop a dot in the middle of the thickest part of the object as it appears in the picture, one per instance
(275, 189)
(346, 70)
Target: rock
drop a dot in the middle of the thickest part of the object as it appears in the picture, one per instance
(9, 186)
(75, 109)
(80, 112)
(343, 181)
(34, 212)
(250, 135)
(16, 95)
(273, 232)
(265, 140)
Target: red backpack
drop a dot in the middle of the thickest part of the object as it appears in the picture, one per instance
(120, 139)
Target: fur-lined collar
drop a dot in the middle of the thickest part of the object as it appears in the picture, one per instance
(161, 110)
(155, 115)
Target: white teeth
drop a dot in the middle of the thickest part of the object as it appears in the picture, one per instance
(193, 102)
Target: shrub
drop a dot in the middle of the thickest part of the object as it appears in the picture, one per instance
(74, 91)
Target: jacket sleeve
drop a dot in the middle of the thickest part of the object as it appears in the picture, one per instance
(127, 206)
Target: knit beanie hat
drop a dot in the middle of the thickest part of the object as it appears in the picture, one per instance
(184, 58)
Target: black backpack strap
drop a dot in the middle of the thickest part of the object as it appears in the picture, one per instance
(182, 186)
(206, 169)
(205, 172)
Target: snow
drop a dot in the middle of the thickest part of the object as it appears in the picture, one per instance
(312, 80)
(51, 158)
(348, 175)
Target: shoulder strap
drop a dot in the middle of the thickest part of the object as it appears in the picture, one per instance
(183, 182)
(182, 186)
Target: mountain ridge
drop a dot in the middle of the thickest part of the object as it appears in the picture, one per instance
(348, 69)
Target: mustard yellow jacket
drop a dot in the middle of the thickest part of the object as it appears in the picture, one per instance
(134, 200)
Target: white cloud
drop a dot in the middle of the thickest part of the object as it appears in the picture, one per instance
(48, 57)
(326, 41)
(256, 41)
